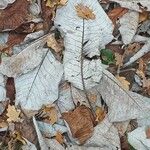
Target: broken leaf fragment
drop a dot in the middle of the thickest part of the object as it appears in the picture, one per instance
(100, 114)
(53, 3)
(13, 114)
(59, 137)
(125, 84)
(81, 123)
(84, 12)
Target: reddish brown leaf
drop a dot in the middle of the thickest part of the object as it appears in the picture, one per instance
(147, 133)
(14, 15)
(81, 123)
(10, 90)
(47, 15)
(116, 13)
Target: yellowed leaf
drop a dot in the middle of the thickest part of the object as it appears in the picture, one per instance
(17, 136)
(52, 43)
(125, 84)
(51, 112)
(59, 137)
(84, 12)
(144, 16)
(53, 3)
(119, 59)
(13, 114)
(92, 97)
(100, 114)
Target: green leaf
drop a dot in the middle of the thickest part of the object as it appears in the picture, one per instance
(107, 56)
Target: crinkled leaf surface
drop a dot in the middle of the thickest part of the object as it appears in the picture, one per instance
(137, 5)
(4, 3)
(97, 33)
(128, 26)
(39, 86)
(24, 61)
(122, 105)
(2, 88)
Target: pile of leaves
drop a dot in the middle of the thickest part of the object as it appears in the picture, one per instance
(74, 74)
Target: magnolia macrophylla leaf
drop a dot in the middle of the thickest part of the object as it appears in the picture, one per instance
(84, 38)
(2, 88)
(4, 3)
(24, 61)
(13, 114)
(128, 26)
(138, 138)
(105, 136)
(122, 105)
(40, 86)
(137, 5)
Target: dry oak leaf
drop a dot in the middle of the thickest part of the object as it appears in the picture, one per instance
(84, 12)
(51, 112)
(100, 114)
(52, 43)
(59, 137)
(15, 15)
(81, 122)
(125, 84)
(13, 114)
(116, 13)
(119, 59)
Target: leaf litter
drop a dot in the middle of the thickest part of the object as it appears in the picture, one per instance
(55, 88)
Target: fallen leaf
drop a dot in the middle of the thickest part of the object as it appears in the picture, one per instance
(125, 84)
(10, 18)
(52, 43)
(10, 90)
(143, 16)
(100, 114)
(52, 114)
(17, 135)
(81, 122)
(84, 12)
(92, 97)
(119, 59)
(147, 133)
(13, 114)
(59, 137)
(116, 13)
(53, 3)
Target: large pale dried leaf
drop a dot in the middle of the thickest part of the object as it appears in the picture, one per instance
(13, 114)
(10, 19)
(2, 88)
(137, 5)
(84, 12)
(81, 123)
(128, 26)
(65, 101)
(97, 33)
(122, 105)
(40, 86)
(5, 3)
(138, 139)
(105, 136)
(25, 61)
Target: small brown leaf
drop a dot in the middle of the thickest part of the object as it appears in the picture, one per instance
(14, 15)
(125, 84)
(100, 114)
(52, 43)
(147, 133)
(59, 137)
(81, 122)
(119, 59)
(144, 16)
(84, 12)
(116, 13)
(13, 114)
